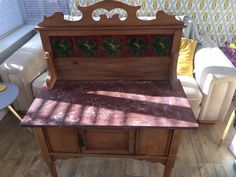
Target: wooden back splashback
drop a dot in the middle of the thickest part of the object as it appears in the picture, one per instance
(110, 48)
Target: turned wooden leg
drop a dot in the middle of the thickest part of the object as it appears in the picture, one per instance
(168, 167)
(52, 168)
(172, 153)
(39, 135)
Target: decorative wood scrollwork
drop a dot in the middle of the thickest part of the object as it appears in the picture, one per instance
(57, 19)
(52, 76)
(109, 5)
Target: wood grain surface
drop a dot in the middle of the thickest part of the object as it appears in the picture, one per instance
(20, 156)
(117, 68)
(113, 69)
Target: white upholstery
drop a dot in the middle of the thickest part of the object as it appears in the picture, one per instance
(21, 68)
(192, 92)
(216, 77)
(38, 83)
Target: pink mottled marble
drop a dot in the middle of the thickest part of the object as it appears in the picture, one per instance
(111, 103)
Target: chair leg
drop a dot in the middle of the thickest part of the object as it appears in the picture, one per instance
(229, 123)
(17, 115)
(14, 112)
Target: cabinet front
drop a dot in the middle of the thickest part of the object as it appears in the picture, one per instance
(152, 141)
(62, 139)
(146, 141)
(107, 140)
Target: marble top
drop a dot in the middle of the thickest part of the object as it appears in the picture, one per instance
(111, 103)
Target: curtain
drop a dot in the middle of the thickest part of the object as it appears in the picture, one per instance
(148, 7)
(216, 18)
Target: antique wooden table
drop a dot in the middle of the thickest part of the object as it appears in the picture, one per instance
(133, 119)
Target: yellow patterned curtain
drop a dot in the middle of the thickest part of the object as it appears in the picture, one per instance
(148, 7)
(216, 18)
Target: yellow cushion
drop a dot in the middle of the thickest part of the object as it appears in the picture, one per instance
(186, 55)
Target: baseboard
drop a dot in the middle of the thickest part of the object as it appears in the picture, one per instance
(207, 121)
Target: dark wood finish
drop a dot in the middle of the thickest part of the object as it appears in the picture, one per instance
(62, 139)
(152, 141)
(119, 68)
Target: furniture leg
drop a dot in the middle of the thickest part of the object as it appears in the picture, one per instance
(52, 168)
(172, 153)
(229, 123)
(168, 167)
(39, 134)
(16, 115)
(14, 112)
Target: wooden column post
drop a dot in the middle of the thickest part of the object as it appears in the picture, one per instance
(40, 138)
(172, 153)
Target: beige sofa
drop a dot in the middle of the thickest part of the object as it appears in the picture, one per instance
(211, 90)
(209, 93)
(21, 68)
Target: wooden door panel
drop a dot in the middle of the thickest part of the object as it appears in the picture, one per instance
(151, 141)
(108, 141)
(62, 139)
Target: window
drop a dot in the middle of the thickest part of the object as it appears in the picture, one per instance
(35, 10)
(14, 13)
(10, 16)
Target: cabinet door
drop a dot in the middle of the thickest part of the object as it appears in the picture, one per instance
(62, 139)
(152, 141)
(107, 140)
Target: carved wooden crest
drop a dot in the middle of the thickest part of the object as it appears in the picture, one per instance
(162, 19)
